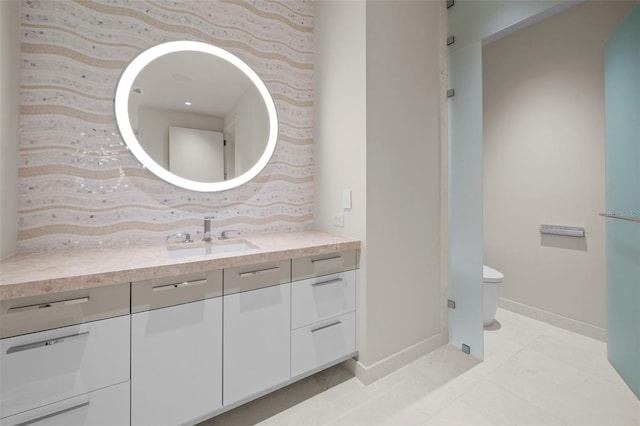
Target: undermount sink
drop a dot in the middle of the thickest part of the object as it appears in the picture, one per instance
(200, 249)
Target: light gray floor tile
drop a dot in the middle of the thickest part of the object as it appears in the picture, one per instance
(458, 414)
(573, 395)
(327, 406)
(533, 374)
(582, 353)
(384, 409)
(502, 407)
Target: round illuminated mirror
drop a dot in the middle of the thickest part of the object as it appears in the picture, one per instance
(196, 116)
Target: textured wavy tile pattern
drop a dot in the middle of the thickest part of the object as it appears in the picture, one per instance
(80, 186)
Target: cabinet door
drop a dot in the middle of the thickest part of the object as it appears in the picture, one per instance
(176, 363)
(256, 341)
(49, 366)
(104, 407)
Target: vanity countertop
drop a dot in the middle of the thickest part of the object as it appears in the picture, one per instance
(36, 273)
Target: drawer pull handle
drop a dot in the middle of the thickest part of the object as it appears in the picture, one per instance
(57, 413)
(322, 327)
(48, 342)
(179, 285)
(327, 259)
(259, 272)
(333, 281)
(67, 302)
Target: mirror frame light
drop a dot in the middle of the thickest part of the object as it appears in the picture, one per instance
(123, 91)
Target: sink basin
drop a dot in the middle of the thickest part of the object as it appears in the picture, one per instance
(200, 249)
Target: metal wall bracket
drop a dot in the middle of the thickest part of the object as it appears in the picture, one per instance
(451, 93)
(466, 349)
(450, 40)
(450, 3)
(451, 304)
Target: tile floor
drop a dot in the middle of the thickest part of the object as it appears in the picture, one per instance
(533, 374)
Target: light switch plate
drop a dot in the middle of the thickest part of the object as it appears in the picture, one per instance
(346, 199)
(338, 220)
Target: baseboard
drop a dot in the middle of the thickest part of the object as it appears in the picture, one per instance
(575, 326)
(368, 374)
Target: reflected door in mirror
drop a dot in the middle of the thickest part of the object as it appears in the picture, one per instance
(196, 154)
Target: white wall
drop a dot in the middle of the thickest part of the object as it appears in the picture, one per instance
(377, 133)
(403, 176)
(471, 21)
(9, 127)
(544, 160)
(340, 134)
(340, 138)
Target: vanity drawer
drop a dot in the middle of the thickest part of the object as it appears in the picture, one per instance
(169, 291)
(37, 313)
(104, 407)
(322, 343)
(322, 264)
(49, 366)
(316, 299)
(253, 277)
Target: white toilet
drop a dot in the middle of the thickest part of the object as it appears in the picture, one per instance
(492, 281)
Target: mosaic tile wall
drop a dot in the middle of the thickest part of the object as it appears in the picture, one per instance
(79, 185)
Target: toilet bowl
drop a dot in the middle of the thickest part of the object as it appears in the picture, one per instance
(492, 281)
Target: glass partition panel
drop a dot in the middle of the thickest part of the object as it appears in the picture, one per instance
(465, 199)
(622, 97)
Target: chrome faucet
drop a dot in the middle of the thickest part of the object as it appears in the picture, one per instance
(207, 228)
(223, 234)
(172, 237)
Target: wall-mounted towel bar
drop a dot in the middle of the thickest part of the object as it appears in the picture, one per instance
(570, 231)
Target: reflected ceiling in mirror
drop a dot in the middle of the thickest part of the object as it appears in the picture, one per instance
(196, 116)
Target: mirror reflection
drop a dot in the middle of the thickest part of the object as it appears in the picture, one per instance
(198, 116)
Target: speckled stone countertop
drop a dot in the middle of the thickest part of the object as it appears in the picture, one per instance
(30, 274)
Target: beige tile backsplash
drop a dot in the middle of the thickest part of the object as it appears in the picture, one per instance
(80, 186)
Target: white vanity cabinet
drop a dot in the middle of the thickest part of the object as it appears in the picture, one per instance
(69, 372)
(180, 349)
(257, 326)
(323, 311)
(176, 349)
